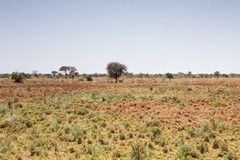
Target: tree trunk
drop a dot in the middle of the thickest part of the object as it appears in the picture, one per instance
(116, 79)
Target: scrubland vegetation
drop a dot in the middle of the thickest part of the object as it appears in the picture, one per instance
(141, 118)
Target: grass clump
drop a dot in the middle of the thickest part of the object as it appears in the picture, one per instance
(187, 151)
(77, 132)
(203, 148)
(116, 154)
(122, 136)
(82, 111)
(153, 123)
(216, 144)
(155, 132)
(138, 152)
(219, 104)
(232, 156)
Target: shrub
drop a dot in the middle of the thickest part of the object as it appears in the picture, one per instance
(81, 79)
(155, 132)
(89, 78)
(224, 147)
(165, 150)
(192, 132)
(103, 124)
(138, 152)
(206, 128)
(82, 111)
(130, 135)
(232, 156)
(186, 150)
(28, 124)
(169, 76)
(67, 130)
(122, 136)
(216, 144)
(77, 132)
(33, 151)
(203, 148)
(116, 154)
(102, 141)
(153, 123)
(18, 77)
(219, 104)
(161, 141)
(5, 145)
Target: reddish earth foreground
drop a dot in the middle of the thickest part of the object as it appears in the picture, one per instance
(175, 102)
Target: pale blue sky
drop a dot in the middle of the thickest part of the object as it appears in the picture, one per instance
(149, 36)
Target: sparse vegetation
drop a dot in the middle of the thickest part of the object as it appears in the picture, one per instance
(82, 120)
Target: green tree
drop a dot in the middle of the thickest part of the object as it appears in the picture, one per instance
(69, 70)
(116, 70)
(54, 73)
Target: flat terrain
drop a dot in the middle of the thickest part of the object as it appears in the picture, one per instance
(145, 118)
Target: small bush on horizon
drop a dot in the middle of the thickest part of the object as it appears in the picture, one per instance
(169, 75)
(18, 77)
(89, 78)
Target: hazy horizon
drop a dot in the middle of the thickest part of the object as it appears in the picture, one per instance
(154, 36)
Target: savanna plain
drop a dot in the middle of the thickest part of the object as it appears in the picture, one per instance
(140, 118)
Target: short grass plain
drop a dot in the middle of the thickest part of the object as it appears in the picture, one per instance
(141, 118)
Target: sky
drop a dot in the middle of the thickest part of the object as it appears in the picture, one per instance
(148, 36)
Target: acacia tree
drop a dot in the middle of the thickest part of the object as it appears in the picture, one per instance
(65, 69)
(116, 70)
(68, 70)
(35, 73)
(72, 71)
(54, 73)
(216, 74)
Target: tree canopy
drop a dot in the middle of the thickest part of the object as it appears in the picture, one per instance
(116, 70)
(69, 70)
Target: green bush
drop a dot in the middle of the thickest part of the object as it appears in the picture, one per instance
(78, 131)
(18, 77)
(186, 151)
(155, 132)
(89, 78)
(169, 75)
(122, 136)
(138, 152)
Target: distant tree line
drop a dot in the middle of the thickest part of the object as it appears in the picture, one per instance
(114, 70)
(184, 75)
(56, 74)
